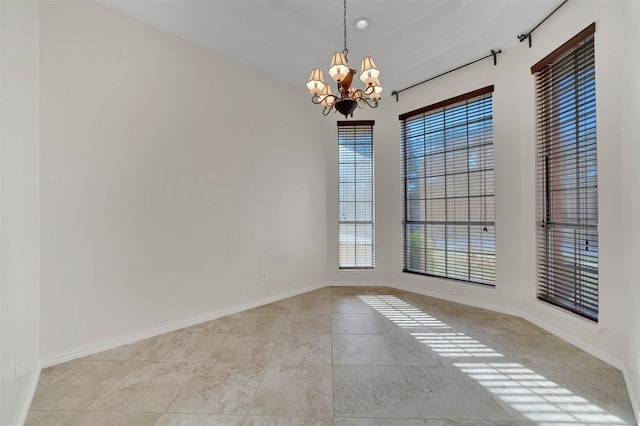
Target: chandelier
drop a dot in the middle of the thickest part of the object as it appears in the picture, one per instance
(347, 97)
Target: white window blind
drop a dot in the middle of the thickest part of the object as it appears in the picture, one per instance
(567, 177)
(448, 182)
(356, 195)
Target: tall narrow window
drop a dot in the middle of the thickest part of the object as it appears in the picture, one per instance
(356, 195)
(447, 172)
(567, 177)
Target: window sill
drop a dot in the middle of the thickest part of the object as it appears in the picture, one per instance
(581, 321)
(356, 270)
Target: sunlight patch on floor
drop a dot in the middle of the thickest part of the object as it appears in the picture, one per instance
(531, 394)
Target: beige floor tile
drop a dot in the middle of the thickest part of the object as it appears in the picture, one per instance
(294, 390)
(149, 388)
(171, 419)
(302, 349)
(311, 304)
(175, 346)
(184, 346)
(506, 324)
(50, 372)
(380, 290)
(288, 421)
(422, 301)
(361, 349)
(452, 347)
(321, 293)
(50, 418)
(219, 325)
(219, 389)
(444, 422)
(377, 422)
(448, 392)
(307, 323)
(260, 324)
(279, 307)
(343, 291)
(243, 348)
(139, 351)
(407, 350)
(397, 316)
(77, 387)
(589, 395)
(349, 305)
(372, 391)
(354, 324)
(542, 350)
(106, 418)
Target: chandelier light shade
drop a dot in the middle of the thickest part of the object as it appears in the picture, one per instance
(347, 97)
(338, 69)
(368, 71)
(316, 82)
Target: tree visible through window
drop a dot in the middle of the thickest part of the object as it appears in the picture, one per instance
(567, 177)
(448, 182)
(355, 195)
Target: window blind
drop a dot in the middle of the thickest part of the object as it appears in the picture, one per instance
(448, 189)
(356, 246)
(567, 177)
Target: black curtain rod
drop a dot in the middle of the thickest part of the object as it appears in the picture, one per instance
(527, 36)
(493, 54)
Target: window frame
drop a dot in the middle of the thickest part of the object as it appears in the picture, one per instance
(359, 134)
(453, 255)
(567, 224)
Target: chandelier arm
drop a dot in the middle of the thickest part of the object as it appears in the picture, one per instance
(327, 110)
(366, 91)
(316, 99)
(371, 103)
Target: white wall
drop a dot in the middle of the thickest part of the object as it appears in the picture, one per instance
(514, 126)
(170, 178)
(630, 208)
(19, 216)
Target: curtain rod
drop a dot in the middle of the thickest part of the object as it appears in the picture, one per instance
(527, 36)
(493, 54)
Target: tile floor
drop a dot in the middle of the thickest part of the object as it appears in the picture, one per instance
(345, 356)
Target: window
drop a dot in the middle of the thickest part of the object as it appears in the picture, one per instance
(448, 203)
(567, 177)
(355, 195)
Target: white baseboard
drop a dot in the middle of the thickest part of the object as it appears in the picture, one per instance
(357, 284)
(633, 395)
(23, 411)
(459, 299)
(94, 348)
(590, 349)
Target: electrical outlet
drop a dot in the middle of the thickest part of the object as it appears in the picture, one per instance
(264, 276)
(452, 291)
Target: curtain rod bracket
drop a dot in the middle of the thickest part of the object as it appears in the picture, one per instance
(494, 53)
(527, 36)
(523, 37)
(396, 94)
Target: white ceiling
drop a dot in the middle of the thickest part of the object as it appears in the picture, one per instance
(410, 40)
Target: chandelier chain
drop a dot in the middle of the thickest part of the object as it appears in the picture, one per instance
(345, 51)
